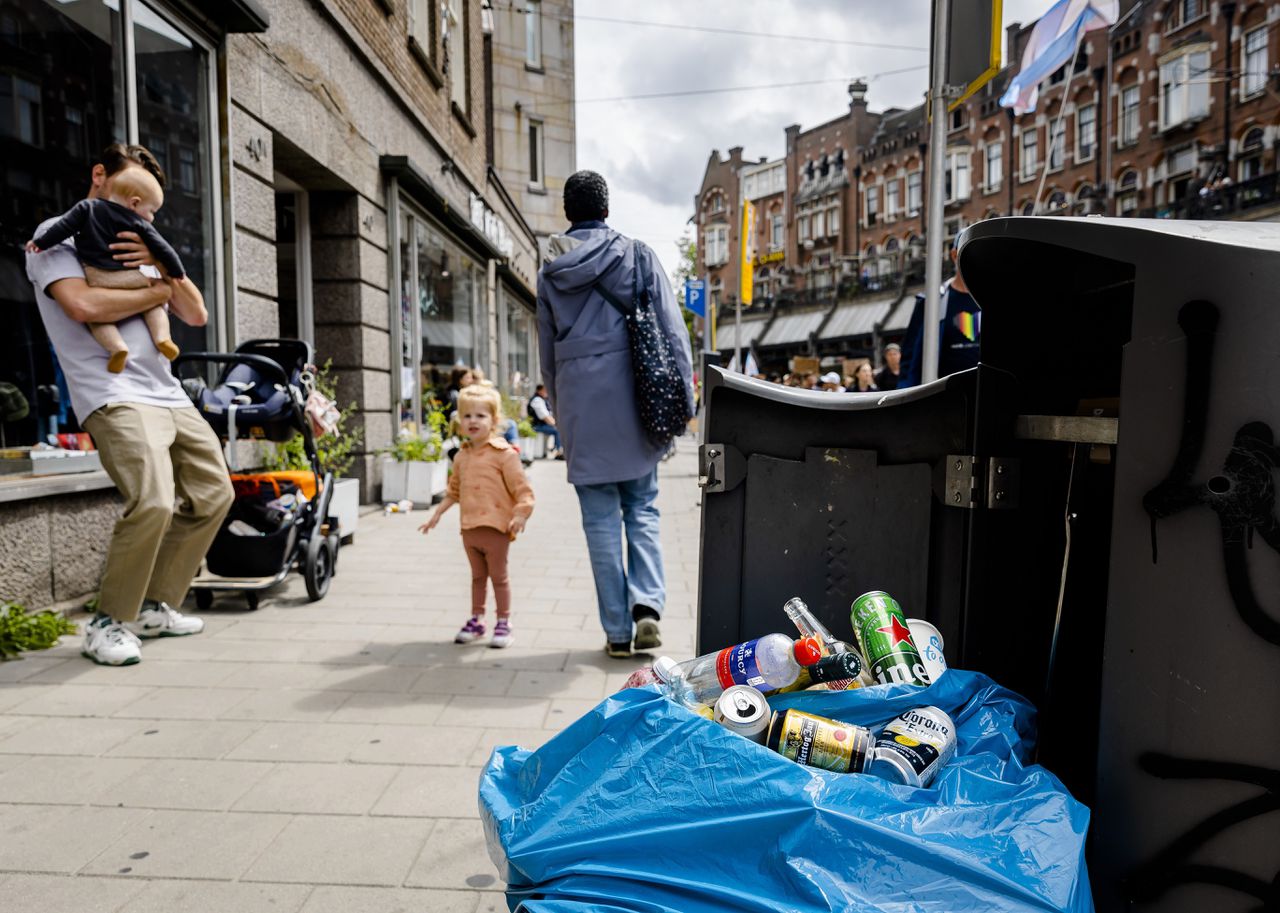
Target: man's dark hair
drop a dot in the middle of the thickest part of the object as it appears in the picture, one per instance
(586, 197)
(117, 157)
(539, 388)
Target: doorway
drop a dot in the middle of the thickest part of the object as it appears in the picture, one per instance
(293, 260)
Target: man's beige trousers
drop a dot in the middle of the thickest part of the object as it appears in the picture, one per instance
(158, 456)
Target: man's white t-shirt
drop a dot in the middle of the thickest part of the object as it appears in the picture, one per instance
(147, 378)
(539, 406)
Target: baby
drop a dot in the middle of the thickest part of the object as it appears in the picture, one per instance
(134, 198)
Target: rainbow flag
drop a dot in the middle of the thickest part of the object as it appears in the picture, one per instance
(969, 323)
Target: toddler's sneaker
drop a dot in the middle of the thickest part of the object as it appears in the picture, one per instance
(472, 630)
(501, 634)
(109, 643)
(158, 619)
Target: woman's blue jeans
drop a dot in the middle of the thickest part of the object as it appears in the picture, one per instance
(607, 510)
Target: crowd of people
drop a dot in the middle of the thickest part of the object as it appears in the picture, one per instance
(863, 378)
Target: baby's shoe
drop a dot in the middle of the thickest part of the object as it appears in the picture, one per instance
(472, 630)
(501, 634)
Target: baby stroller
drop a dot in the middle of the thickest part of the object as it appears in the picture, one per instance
(279, 520)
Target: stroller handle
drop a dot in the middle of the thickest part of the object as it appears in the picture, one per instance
(270, 367)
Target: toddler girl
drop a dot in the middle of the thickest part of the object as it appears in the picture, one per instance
(496, 498)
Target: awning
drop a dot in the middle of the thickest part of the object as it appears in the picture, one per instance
(793, 327)
(727, 337)
(859, 318)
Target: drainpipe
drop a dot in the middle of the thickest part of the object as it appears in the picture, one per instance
(1228, 9)
(857, 210)
(1009, 165)
(1104, 109)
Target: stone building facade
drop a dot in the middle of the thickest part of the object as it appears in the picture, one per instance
(532, 123)
(1172, 112)
(333, 177)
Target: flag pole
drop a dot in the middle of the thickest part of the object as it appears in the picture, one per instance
(934, 251)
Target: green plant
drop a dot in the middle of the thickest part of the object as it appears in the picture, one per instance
(336, 451)
(524, 428)
(416, 449)
(21, 630)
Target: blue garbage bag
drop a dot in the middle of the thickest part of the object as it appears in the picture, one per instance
(643, 807)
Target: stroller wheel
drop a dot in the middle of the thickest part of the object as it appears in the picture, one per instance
(251, 597)
(204, 599)
(319, 567)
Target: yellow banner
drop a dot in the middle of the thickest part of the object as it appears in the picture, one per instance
(748, 251)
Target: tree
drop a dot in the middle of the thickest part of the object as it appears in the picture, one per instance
(686, 269)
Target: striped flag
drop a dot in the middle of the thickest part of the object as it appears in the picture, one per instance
(1053, 43)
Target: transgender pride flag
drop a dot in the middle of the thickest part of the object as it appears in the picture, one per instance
(1053, 43)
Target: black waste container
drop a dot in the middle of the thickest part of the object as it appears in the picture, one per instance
(1088, 517)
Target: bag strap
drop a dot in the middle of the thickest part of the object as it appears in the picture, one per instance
(637, 287)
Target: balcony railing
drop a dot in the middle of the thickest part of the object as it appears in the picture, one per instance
(1224, 203)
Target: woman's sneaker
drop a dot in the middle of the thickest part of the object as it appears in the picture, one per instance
(109, 643)
(501, 634)
(472, 630)
(158, 619)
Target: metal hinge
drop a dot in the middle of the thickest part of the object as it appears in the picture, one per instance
(972, 482)
(721, 467)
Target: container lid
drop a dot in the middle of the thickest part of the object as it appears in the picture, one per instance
(665, 668)
(808, 650)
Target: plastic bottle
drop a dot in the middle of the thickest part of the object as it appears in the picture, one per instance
(766, 664)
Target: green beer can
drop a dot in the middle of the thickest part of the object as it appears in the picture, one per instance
(885, 640)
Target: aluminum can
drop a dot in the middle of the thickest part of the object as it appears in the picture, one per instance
(929, 643)
(914, 747)
(816, 741)
(743, 709)
(885, 640)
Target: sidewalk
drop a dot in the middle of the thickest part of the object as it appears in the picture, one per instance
(317, 757)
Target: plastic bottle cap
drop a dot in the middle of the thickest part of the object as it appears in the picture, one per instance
(664, 667)
(807, 651)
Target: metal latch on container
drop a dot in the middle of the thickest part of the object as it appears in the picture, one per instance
(721, 468)
(992, 482)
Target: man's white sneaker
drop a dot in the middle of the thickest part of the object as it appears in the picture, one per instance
(157, 619)
(110, 643)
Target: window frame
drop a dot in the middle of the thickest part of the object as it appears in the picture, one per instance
(533, 35)
(1057, 134)
(1247, 92)
(1125, 139)
(1184, 87)
(915, 181)
(988, 161)
(459, 65)
(1086, 153)
(892, 198)
(536, 138)
(1027, 167)
(423, 40)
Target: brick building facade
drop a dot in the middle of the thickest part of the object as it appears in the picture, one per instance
(1173, 112)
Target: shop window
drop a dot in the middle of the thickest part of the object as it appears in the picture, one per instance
(21, 101)
(517, 346)
(45, 179)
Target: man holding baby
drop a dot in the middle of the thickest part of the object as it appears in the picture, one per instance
(163, 457)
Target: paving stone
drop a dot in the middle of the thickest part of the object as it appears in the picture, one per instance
(329, 899)
(323, 789)
(580, 683)
(180, 673)
(59, 894)
(454, 857)
(458, 680)
(183, 704)
(377, 707)
(58, 735)
(77, 700)
(492, 738)
(287, 705)
(185, 784)
(187, 844)
(366, 678)
(432, 792)
(216, 897)
(564, 711)
(526, 713)
(43, 838)
(29, 666)
(181, 738)
(327, 849)
(420, 745)
(63, 780)
(303, 742)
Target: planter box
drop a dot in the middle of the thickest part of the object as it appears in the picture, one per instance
(535, 448)
(419, 482)
(345, 505)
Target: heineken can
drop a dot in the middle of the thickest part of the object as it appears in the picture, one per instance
(885, 640)
(816, 741)
(914, 747)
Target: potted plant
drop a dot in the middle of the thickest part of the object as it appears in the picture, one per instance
(414, 468)
(336, 451)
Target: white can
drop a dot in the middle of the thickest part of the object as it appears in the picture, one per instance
(929, 643)
(914, 747)
(743, 709)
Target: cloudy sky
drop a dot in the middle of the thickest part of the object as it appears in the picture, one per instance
(653, 151)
